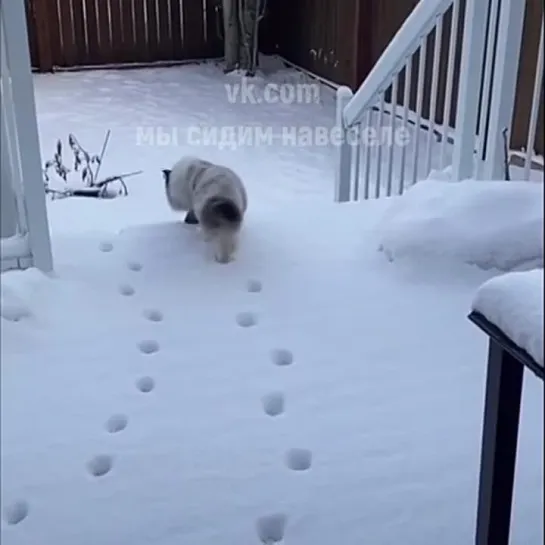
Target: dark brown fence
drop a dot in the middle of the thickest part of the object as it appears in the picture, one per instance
(68, 33)
(330, 38)
(341, 41)
(526, 79)
(338, 40)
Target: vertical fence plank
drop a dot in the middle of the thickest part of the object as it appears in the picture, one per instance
(80, 30)
(363, 42)
(93, 32)
(214, 29)
(193, 27)
(527, 74)
(176, 30)
(129, 49)
(140, 32)
(52, 16)
(69, 51)
(40, 20)
(165, 39)
(117, 52)
(153, 37)
(32, 34)
(104, 38)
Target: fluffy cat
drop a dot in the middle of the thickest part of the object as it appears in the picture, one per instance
(213, 196)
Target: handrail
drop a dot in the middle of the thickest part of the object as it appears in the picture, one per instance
(405, 43)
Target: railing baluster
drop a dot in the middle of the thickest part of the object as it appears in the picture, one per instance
(487, 79)
(434, 86)
(343, 172)
(447, 106)
(379, 150)
(419, 104)
(356, 154)
(428, 151)
(368, 118)
(406, 101)
(392, 142)
(502, 102)
(536, 99)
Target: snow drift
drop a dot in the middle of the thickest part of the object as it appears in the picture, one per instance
(491, 224)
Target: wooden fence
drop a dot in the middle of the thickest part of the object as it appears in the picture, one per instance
(68, 33)
(338, 40)
(330, 38)
(342, 40)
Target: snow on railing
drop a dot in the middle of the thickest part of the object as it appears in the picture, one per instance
(384, 115)
(25, 231)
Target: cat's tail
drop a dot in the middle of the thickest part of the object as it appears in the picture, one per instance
(221, 213)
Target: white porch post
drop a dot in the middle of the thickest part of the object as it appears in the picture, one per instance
(502, 103)
(13, 19)
(343, 164)
(471, 69)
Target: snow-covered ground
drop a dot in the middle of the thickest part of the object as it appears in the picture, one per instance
(493, 225)
(316, 389)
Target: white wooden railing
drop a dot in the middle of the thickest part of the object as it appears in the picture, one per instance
(25, 237)
(382, 150)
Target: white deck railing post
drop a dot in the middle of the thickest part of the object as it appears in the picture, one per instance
(502, 103)
(343, 164)
(471, 69)
(13, 18)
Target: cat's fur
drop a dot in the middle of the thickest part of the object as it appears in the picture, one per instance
(212, 196)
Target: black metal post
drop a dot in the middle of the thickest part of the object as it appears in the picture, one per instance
(506, 365)
(499, 446)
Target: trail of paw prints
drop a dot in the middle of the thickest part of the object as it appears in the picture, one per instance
(126, 289)
(249, 319)
(102, 464)
(270, 528)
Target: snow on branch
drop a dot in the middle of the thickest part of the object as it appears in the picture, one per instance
(88, 167)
